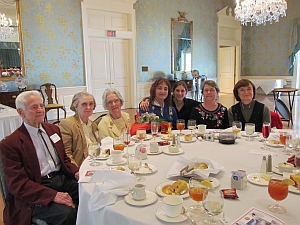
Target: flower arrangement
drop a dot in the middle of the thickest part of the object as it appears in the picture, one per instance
(148, 118)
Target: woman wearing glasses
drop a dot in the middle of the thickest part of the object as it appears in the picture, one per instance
(115, 121)
(161, 101)
(210, 112)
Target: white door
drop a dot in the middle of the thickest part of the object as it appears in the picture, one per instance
(227, 68)
(109, 67)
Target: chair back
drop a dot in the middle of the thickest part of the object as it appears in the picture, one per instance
(98, 119)
(49, 93)
(3, 186)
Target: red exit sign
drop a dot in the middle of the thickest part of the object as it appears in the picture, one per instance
(111, 33)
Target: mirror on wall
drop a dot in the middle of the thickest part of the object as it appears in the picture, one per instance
(181, 42)
(11, 45)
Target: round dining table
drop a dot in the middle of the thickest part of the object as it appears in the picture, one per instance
(242, 155)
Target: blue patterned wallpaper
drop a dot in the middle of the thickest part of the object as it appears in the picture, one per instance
(153, 22)
(265, 48)
(53, 45)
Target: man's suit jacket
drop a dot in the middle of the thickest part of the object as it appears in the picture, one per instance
(23, 174)
(74, 138)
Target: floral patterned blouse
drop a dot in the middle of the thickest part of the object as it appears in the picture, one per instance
(217, 119)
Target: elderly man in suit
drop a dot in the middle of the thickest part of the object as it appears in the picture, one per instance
(41, 180)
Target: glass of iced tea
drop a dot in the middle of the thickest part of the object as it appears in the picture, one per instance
(282, 138)
(180, 124)
(118, 144)
(278, 191)
(198, 193)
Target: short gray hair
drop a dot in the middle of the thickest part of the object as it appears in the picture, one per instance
(77, 97)
(22, 98)
(110, 91)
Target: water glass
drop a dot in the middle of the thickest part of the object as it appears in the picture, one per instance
(94, 151)
(249, 128)
(134, 163)
(213, 206)
(191, 125)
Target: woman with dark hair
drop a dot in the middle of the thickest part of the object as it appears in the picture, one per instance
(248, 110)
(210, 112)
(161, 101)
(78, 130)
(181, 104)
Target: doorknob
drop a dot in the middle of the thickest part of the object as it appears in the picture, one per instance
(112, 83)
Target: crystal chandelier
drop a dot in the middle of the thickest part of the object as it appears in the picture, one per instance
(5, 27)
(259, 11)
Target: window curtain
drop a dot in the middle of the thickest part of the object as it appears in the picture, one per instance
(294, 44)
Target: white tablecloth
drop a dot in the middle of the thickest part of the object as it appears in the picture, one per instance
(267, 85)
(9, 120)
(232, 157)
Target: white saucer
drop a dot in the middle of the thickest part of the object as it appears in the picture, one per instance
(110, 163)
(160, 213)
(160, 186)
(148, 137)
(193, 140)
(276, 170)
(145, 170)
(154, 153)
(166, 151)
(150, 198)
(102, 157)
(293, 189)
(255, 134)
(166, 137)
(254, 178)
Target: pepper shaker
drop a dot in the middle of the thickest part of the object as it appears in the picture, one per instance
(269, 164)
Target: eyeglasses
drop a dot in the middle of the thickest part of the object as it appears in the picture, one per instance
(116, 101)
(209, 90)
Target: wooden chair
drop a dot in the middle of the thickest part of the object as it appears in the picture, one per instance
(282, 109)
(49, 94)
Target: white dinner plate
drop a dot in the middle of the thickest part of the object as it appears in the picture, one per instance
(126, 169)
(193, 140)
(160, 213)
(270, 144)
(145, 170)
(255, 134)
(102, 156)
(159, 188)
(150, 199)
(148, 137)
(255, 178)
(276, 170)
(166, 151)
(293, 189)
(110, 163)
(154, 153)
(166, 137)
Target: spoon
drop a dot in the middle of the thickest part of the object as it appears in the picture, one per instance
(183, 212)
(183, 192)
(147, 166)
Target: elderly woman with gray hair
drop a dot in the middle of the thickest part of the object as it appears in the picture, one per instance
(115, 121)
(78, 130)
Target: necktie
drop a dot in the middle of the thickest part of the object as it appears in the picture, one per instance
(40, 132)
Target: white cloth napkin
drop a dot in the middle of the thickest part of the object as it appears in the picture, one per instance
(107, 142)
(213, 167)
(109, 185)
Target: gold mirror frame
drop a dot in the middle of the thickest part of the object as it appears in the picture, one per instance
(21, 43)
(174, 21)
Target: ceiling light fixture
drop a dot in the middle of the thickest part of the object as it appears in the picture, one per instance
(6, 27)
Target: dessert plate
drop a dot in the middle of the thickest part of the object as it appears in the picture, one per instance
(150, 199)
(160, 213)
(276, 170)
(148, 137)
(102, 156)
(166, 137)
(183, 140)
(273, 143)
(166, 151)
(255, 134)
(121, 168)
(159, 188)
(154, 153)
(255, 178)
(110, 163)
(145, 170)
(293, 189)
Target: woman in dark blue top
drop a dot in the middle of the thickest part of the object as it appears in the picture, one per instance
(161, 101)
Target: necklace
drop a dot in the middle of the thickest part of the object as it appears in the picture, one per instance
(178, 104)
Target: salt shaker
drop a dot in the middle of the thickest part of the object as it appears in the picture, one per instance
(269, 164)
(263, 167)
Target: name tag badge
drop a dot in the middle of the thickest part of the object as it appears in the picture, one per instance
(96, 134)
(55, 138)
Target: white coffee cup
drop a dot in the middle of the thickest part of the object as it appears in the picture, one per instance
(153, 147)
(116, 156)
(201, 128)
(139, 192)
(172, 205)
